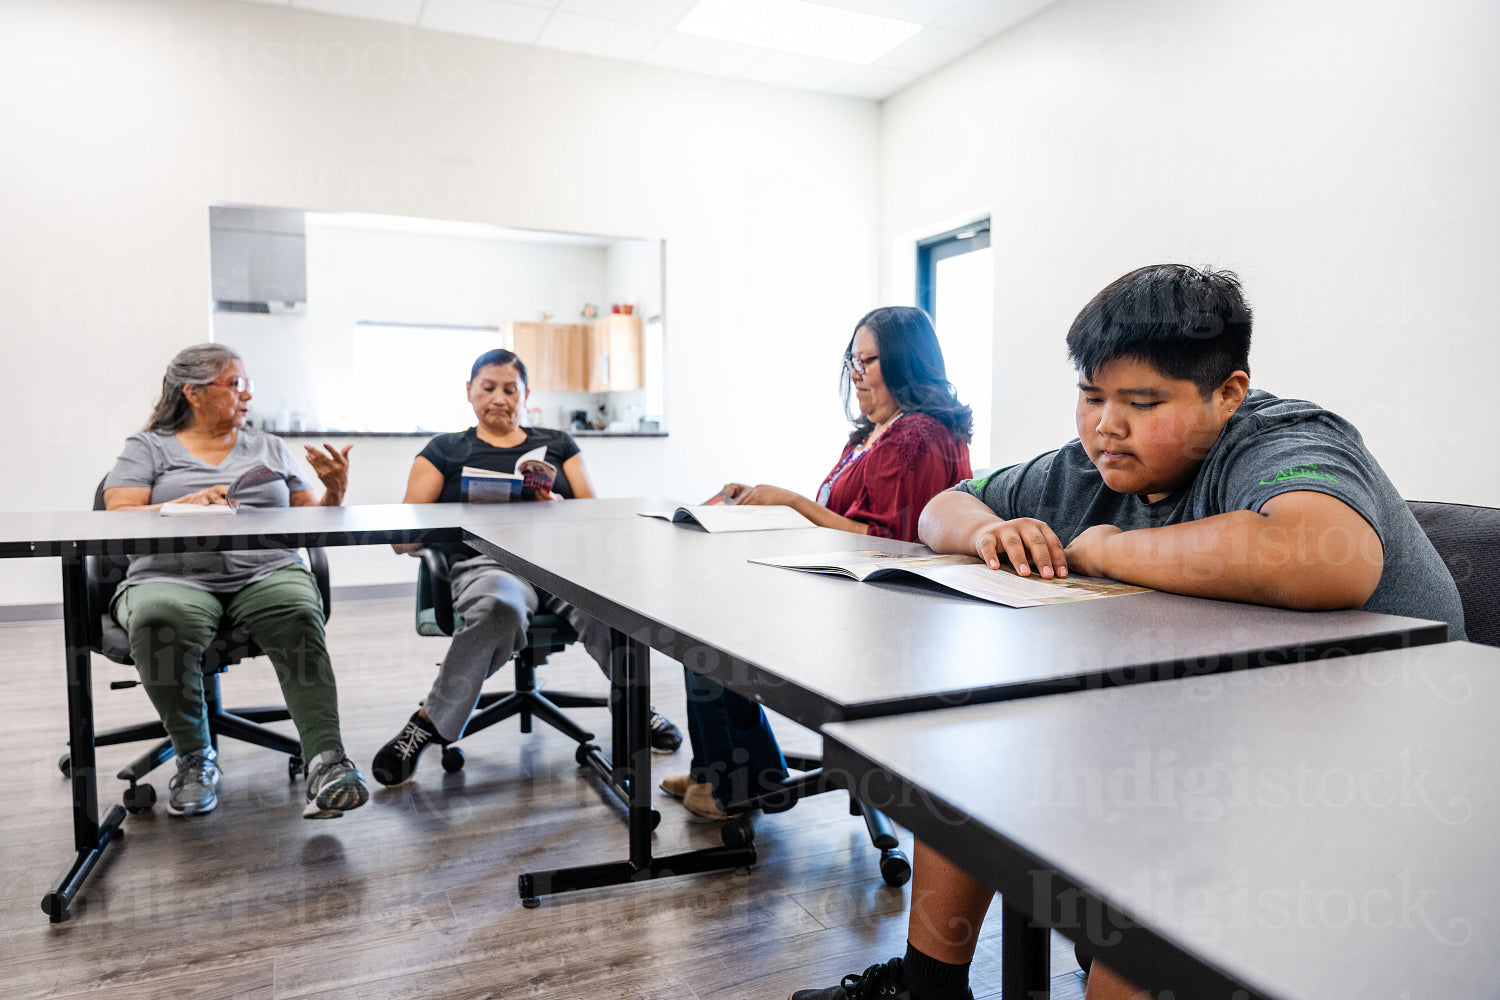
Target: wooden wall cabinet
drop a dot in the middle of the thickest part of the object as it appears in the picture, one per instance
(602, 356)
(614, 361)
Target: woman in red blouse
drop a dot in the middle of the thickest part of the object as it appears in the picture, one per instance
(910, 442)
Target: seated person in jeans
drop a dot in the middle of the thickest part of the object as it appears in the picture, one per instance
(909, 442)
(1182, 479)
(195, 445)
(494, 605)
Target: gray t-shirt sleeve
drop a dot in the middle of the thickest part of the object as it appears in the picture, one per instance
(136, 466)
(1014, 491)
(286, 461)
(1316, 452)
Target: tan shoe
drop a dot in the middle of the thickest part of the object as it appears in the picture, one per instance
(699, 800)
(677, 785)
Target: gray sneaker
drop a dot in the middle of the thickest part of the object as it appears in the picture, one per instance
(334, 786)
(195, 786)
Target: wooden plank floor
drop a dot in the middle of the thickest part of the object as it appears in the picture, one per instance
(415, 894)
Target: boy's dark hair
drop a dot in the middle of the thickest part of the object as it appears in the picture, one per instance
(1184, 322)
(499, 356)
(911, 363)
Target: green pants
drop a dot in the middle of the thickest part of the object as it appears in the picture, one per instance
(170, 625)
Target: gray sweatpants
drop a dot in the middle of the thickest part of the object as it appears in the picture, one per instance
(495, 606)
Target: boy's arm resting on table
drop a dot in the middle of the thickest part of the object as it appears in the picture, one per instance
(1303, 550)
(954, 521)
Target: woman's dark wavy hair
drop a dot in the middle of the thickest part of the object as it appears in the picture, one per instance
(911, 364)
(1184, 322)
(499, 356)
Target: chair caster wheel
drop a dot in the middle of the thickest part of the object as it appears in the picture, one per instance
(655, 819)
(1083, 958)
(894, 868)
(531, 902)
(139, 798)
(65, 765)
(453, 760)
(737, 831)
(294, 767)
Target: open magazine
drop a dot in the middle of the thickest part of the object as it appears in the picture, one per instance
(965, 574)
(534, 475)
(248, 480)
(723, 517)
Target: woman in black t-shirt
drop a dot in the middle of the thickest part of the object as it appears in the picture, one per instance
(495, 606)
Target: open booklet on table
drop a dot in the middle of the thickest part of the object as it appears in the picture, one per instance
(257, 476)
(726, 517)
(965, 574)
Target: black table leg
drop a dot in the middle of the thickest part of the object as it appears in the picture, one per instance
(630, 675)
(1025, 956)
(90, 837)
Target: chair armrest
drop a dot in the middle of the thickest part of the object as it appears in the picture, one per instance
(317, 561)
(439, 590)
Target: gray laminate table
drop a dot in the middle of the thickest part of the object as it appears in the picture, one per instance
(822, 649)
(1294, 833)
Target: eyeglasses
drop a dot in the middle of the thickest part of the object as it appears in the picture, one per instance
(238, 384)
(858, 365)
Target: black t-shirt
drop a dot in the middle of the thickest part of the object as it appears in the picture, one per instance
(449, 453)
(1269, 447)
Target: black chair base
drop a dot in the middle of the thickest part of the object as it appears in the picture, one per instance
(738, 830)
(529, 702)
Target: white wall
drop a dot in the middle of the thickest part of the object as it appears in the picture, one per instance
(125, 119)
(1342, 156)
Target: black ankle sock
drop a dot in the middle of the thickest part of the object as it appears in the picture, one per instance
(929, 979)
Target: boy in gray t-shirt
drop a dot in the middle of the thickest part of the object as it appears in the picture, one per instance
(1185, 480)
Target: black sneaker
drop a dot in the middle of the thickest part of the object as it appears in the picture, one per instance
(876, 981)
(397, 760)
(665, 737)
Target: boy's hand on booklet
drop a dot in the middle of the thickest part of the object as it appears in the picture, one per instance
(1086, 554)
(1026, 542)
(332, 468)
(212, 495)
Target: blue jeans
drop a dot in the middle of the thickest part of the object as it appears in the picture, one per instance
(734, 749)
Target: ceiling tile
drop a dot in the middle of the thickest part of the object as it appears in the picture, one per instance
(702, 55)
(598, 36)
(656, 13)
(928, 49)
(875, 83)
(786, 69)
(498, 19)
(919, 11)
(400, 11)
(990, 17)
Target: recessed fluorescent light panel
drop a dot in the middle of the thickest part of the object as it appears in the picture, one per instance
(808, 29)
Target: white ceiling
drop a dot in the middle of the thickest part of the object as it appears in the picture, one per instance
(643, 31)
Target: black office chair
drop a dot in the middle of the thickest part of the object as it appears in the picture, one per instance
(104, 575)
(545, 635)
(1468, 540)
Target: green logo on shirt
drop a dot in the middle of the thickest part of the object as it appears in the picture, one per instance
(1299, 472)
(978, 485)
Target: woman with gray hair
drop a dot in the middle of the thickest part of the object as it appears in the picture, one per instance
(170, 606)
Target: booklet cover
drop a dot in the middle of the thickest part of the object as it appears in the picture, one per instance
(721, 517)
(533, 475)
(965, 574)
